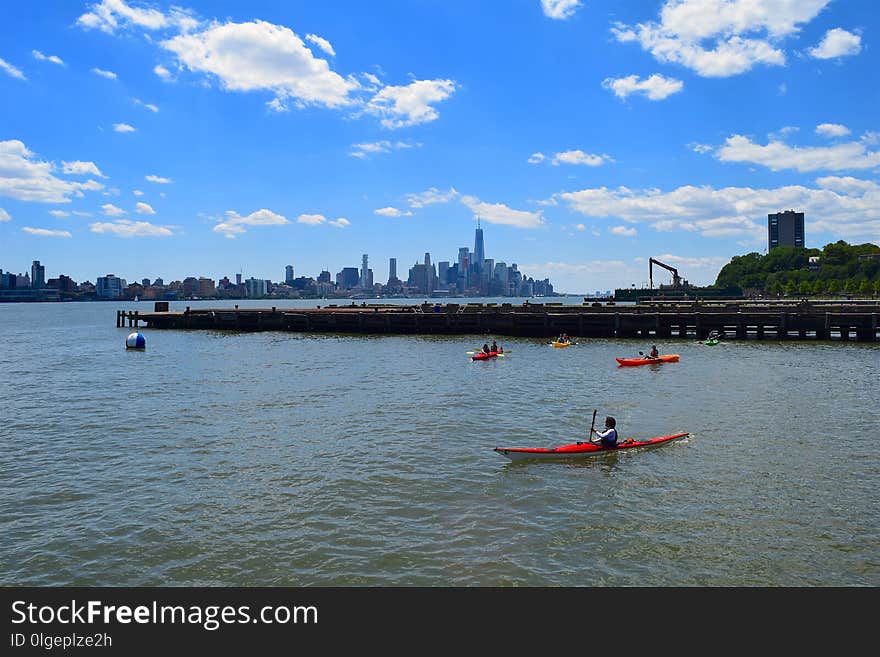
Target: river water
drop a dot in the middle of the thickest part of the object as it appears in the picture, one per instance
(322, 460)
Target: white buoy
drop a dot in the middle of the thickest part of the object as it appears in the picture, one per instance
(135, 341)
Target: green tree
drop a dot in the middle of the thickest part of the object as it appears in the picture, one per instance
(818, 286)
(833, 286)
(851, 286)
(865, 287)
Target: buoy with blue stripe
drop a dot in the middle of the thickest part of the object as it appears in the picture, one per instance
(135, 341)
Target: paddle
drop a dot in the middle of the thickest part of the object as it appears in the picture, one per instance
(592, 428)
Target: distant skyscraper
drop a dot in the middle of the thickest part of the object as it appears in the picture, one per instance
(145, 282)
(238, 279)
(392, 269)
(785, 229)
(479, 254)
(362, 281)
(288, 274)
(38, 275)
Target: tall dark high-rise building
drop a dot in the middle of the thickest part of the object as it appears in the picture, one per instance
(38, 275)
(479, 254)
(785, 229)
(392, 269)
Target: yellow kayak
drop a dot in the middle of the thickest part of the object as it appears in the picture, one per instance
(561, 344)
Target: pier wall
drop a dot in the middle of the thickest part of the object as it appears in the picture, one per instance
(733, 320)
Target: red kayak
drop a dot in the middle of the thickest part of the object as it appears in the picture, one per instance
(665, 358)
(482, 355)
(580, 449)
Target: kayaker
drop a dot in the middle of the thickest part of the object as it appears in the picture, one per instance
(494, 347)
(607, 438)
(654, 353)
(485, 348)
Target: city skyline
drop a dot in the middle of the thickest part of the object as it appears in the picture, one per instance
(589, 136)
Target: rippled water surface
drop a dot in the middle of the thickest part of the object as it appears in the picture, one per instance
(302, 459)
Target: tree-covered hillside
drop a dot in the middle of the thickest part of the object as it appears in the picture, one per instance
(837, 268)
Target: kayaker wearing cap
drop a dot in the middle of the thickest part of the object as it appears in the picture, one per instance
(607, 438)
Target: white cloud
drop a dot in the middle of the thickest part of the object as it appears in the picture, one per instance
(655, 87)
(123, 127)
(701, 148)
(144, 208)
(47, 58)
(720, 38)
(112, 15)
(4, 215)
(45, 232)
(840, 206)
(25, 178)
(579, 157)
(536, 158)
(127, 228)
(311, 219)
(153, 108)
(832, 130)
(364, 150)
(323, 44)
(623, 230)
(560, 9)
(111, 210)
(341, 222)
(262, 56)
(776, 155)
(11, 70)
(80, 213)
(162, 72)
(837, 43)
(110, 75)
(59, 213)
(81, 168)
(234, 224)
(137, 192)
(158, 179)
(402, 106)
(430, 196)
(580, 227)
(392, 212)
(498, 213)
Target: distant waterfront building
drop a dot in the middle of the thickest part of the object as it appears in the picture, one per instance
(324, 277)
(145, 282)
(109, 286)
(347, 278)
(38, 275)
(785, 229)
(255, 287)
(362, 278)
(288, 274)
(392, 270)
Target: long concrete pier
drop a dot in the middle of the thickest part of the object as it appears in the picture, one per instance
(774, 320)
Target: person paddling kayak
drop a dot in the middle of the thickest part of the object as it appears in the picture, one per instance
(654, 353)
(607, 438)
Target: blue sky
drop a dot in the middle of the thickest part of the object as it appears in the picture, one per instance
(208, 138)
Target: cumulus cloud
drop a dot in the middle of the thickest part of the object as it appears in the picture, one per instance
(430, 196)
(311, 219)
(127, 228)
(322, 43)
(153, 108)
(111, 210)
(560, 9)
(162, 72)
(837, 43)
(110, 75)
(655, 87)
(536, 158)
(80, 168)
(777, 155)
(262, 56)
(112, 15)
(721, 38)
(60, 214)
(144, 208)
(341, 222)
(25, 178)
(401, 106)
(498, 213)
(47, 58)
(158, 179)
(364, 150)
(626, 231)
(46, 232)
(832, 130)
(11, 70)
(843, 206)
(579, 157)
(123, 127)
(4, 215)
(235, 224)
(392, 212)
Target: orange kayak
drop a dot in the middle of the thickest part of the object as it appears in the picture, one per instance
(665, 358)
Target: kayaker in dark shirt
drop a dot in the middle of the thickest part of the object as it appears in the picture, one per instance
(607, 438)
(654, 353)
(485, 348)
